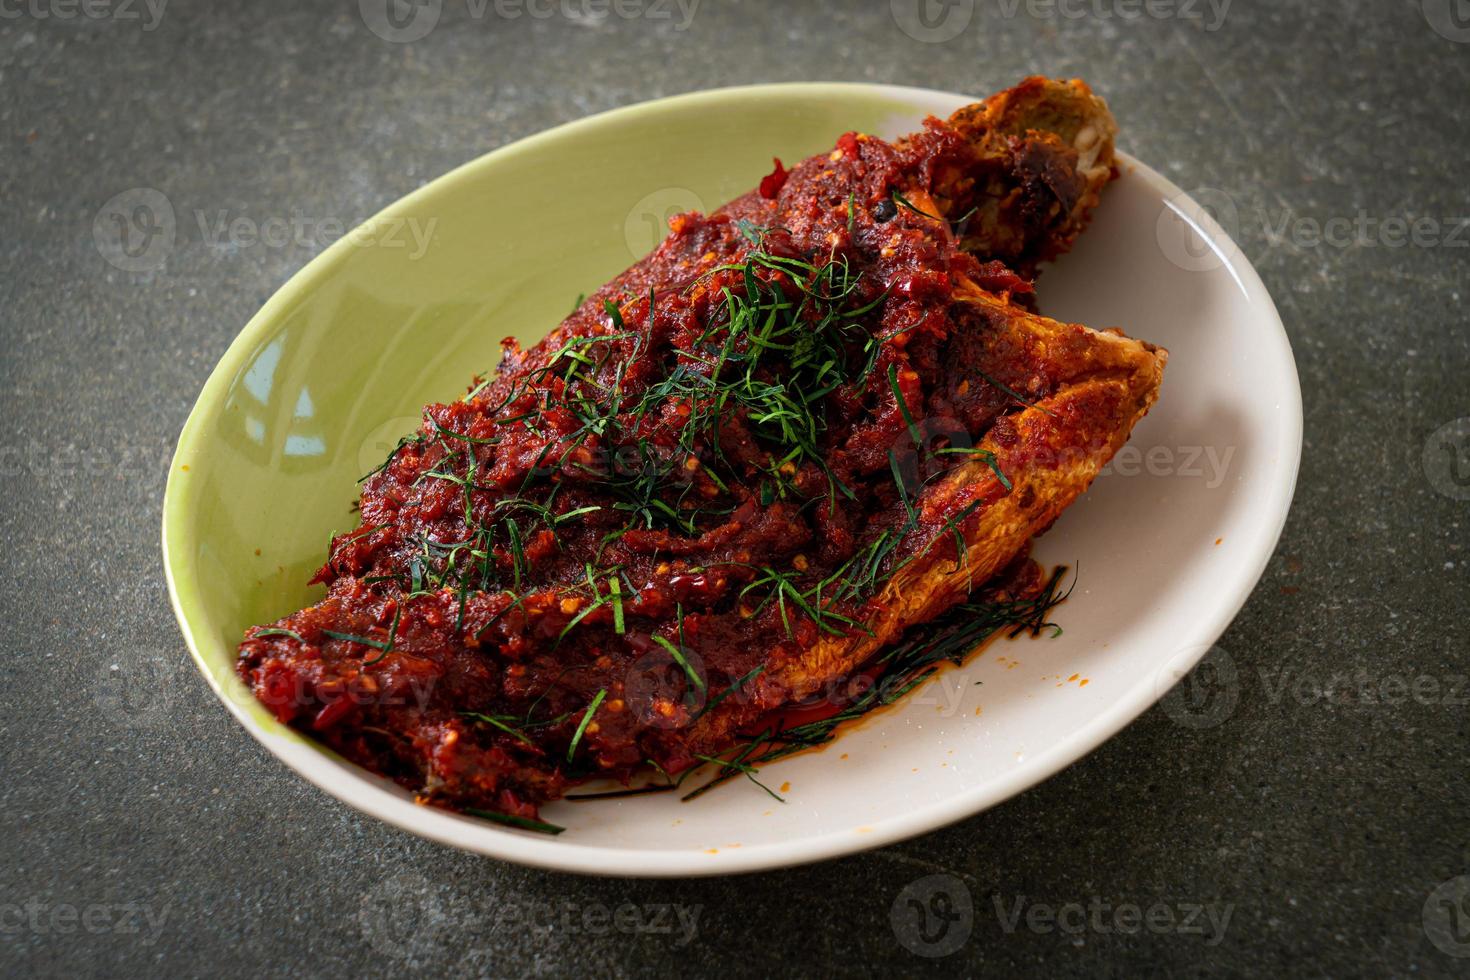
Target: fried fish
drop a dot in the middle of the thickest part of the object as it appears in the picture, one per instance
(820, 416)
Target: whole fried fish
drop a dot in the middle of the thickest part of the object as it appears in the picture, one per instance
(805, 423)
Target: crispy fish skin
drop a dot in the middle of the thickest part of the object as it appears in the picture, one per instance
(1055, 140)
(1102, 385)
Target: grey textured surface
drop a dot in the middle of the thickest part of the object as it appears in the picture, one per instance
(143, 842)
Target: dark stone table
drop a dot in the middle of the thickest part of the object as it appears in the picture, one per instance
(1322, 828)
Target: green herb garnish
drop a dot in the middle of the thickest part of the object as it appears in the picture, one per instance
(510, 820)
(278, 631)
(682, 661)
(586, 719)
(904, 666)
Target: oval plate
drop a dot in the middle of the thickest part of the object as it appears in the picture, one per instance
(321, 383)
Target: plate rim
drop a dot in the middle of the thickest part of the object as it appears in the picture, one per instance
(324, 770)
